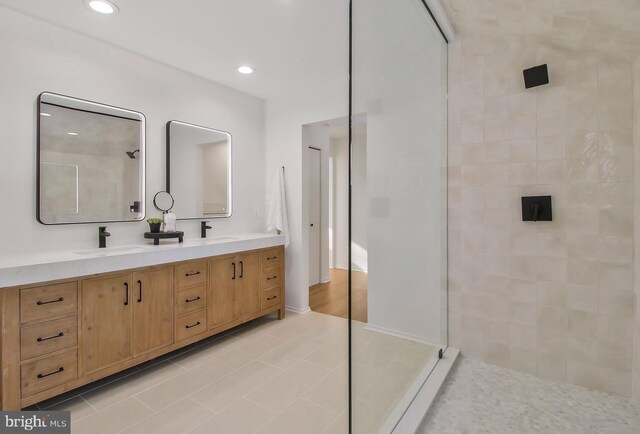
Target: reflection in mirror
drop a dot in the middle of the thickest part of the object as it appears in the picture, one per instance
(90, 162)
(199, 170)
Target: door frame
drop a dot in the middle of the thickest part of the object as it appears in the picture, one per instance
(320, 211)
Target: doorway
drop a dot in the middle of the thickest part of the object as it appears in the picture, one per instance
(332, 297)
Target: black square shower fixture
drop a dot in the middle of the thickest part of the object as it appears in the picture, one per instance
(536, 76)
(536, 209)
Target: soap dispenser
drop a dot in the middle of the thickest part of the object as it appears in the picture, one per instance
(169, 222)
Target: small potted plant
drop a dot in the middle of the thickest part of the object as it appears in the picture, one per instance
(154, 225)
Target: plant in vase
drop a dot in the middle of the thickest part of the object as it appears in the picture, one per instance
(154, 225)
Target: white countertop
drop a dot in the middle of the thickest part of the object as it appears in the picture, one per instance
(43, 267)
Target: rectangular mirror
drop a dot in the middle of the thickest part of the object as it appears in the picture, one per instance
(90, 162)
(198, 171)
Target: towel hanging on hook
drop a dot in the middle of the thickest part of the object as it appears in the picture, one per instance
(277, 219)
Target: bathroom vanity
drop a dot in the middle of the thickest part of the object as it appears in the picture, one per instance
(72, 318)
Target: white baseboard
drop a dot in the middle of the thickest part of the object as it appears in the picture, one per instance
(412, 418)
(297, 310)
(402, 335)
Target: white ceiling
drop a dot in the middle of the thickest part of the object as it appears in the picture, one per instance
(610, 27)
(292, 44)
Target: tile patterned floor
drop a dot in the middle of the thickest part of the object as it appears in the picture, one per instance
(482, 398)
(270, 376)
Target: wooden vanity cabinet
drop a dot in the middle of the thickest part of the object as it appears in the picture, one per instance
(106, 322)
(234, 289)
(58, 336)
(153, 306)
(125, 315)
(247, 291)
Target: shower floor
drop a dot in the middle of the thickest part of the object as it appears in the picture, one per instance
(482, 398)
(270, 376)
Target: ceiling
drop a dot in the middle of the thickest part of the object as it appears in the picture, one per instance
(292, 44)
(610, 27)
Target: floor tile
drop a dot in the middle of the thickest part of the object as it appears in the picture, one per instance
(178, 418)
(332, 391)
(340, 425)
(290, 352)
(301, 417)
(250, 350)
(78, 407)
(113, 419)
(243, 417)
(229, 389)
(283, 389)
(206, 352)
(179, 387)
(116, 391)
(478, 397)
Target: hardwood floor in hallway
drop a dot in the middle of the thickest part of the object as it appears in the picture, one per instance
(332, 298)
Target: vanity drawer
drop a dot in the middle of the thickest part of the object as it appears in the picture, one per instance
(191, 299)
(272, 257)
(44, 302)
(270, 297)
(191, 273)
(48, 337)
(192, 324)
(271, 277)
(46, 373)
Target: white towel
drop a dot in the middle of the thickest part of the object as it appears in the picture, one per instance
(277, 219)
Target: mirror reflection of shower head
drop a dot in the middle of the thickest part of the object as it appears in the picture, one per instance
(132, 154)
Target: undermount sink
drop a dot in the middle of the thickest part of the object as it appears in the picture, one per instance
(111, 250)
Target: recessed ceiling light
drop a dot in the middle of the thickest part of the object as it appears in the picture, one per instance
(245, 69)
(45, 114)
(101, 6)
(73, 134)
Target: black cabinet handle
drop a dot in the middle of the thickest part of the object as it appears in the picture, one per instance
(272, 257)
(193, 299)
(271, 278)
(192, 325)
(241, 269)
(40, 303)
(59, 335)
(51, 373)
(126, 293)
(139, 291)
(234, 271)
(193, 273)
(272, 298)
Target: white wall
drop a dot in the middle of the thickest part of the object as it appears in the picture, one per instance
(360, 202)
(37, 56)
(401, 86)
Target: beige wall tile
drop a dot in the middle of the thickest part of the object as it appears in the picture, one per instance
(557, 295)
(552, 148)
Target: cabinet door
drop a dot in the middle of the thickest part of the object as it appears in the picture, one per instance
(222, 283)
(152, 300)
(106, 321)
(247, 298)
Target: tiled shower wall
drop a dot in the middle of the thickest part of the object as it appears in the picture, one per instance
(554, 299)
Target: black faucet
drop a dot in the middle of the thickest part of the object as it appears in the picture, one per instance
(102, 236)
(203, 229)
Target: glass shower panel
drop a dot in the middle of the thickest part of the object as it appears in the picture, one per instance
(398, 207)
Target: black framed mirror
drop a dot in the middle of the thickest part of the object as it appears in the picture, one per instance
(90, 162)
(199, 174)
